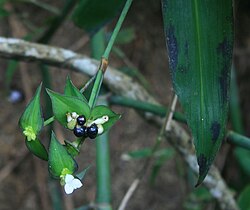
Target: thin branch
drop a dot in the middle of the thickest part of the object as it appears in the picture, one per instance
(119, 83)
(166, 124)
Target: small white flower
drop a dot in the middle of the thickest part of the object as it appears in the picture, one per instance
(74, 115)
(71, 183)
(100, 121)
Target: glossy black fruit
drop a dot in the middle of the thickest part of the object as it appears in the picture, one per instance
(92, 131)
(80, 131)
(81, 120)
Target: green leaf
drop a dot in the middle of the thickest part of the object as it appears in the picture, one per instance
(71, 148)
(71, 90)
(37, 148)
(32, 116)
(100, 111)
(59, 158)
(90, 15)
(165, 155)
(125, 36)
(243, 200)
(82, 174)
(62, 105)
(199, 36)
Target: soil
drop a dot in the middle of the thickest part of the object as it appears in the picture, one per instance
(28, 187)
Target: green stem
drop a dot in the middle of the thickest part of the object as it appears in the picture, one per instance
(117, 29)
(238, 139)
(48, 121)
(144, 106)
(103, 188)
(105, 57)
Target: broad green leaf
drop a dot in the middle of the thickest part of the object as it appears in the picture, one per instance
(90, 15)
(59, 158)
(71, 90)
(37, 148)
(62, 105)
(243, 200)
(199, 36)
(32, 116)
(100, 111)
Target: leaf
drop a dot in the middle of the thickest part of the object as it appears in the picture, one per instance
(243, 200)
(125, 36)
(165, 155)
(37, 148)
(62, 105)
(82, 174)
(90, 15)
(59, 158)
(71, 90)
(32, 115)
(71, 148)
(100, 111)
(199, 38)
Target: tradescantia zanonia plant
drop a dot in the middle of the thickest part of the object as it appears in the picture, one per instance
(72, 111)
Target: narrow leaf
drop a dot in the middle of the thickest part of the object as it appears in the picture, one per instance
(32, 115)
(199, 39)
(59, 158)
(37, 148)
(71, 90)
(62, 105)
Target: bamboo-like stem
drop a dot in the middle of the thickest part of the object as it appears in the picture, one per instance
(104, 62)
(238, 139)
(103, 187)
(146, 107)
(117, 29)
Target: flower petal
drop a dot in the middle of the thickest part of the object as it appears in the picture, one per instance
(68, 188)
(69, 178)
(76, 183)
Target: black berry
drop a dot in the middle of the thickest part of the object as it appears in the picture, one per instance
(81, 120)
(92, 131)
(80, 131)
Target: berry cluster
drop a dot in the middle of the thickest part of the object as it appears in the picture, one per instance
(80, 130)
(83, 127)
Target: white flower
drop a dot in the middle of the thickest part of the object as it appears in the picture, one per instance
(71, 183)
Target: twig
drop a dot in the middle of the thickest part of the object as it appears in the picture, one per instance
(142, 173)
(129, 193)
(171, 113)
(118, 83)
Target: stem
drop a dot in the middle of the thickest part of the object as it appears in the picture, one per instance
(103, 186)
(146, 107)
(117, 29)
(141, 174)
(104, 62)
(48, 121)
(238, 139)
